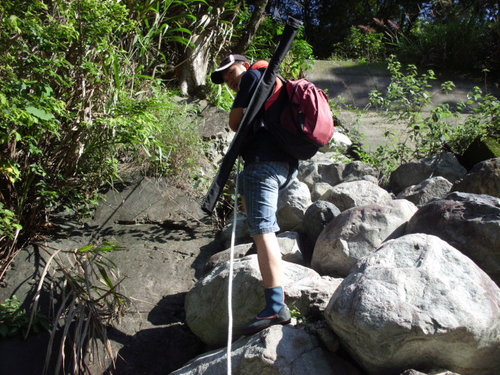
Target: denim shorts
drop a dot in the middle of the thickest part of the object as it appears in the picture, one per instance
(260, 183)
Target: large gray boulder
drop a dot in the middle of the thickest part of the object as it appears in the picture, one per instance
(355, 193)
(483, 178)
(426, 191)
(292, 204)
(241, 235)
(419, 303)
(311, 295)
(287, 241)
(413, 173)
(320, 170)
(358, 170)
(276, 350)
(468, 222)
(206, 303)
(147, 200)
(318, 189)
(317, 216)
(356, 233)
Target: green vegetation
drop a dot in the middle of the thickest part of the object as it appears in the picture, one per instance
(15, 321)
(429, 130)
(362, 46)
(75, 105)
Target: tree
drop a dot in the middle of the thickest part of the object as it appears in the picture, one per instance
(212, 33)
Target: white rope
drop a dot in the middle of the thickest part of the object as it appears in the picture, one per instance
(230, 278)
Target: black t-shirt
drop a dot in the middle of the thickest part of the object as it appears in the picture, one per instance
(260, 145)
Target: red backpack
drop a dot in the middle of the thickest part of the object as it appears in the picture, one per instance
(298, 115)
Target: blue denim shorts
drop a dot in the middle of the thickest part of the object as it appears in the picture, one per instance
(260, 183)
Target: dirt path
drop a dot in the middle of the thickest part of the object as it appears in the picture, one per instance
(350, 84)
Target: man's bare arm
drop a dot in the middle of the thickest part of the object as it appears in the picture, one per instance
(235, 117)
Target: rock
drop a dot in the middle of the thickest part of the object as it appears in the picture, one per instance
(276, 350)
(417, 302)
(320, 170)
(311, 295)
(318, 189)
(483, 178)
(357, 170)
(324, 333)
(241, 233)
(432, 372)
(289, 247)
(428, 190)
(288, 243)
(240, 251)
(445, 165)
(158, 264)
(340, 143)
(355, 193)
(317, 216)
(147, 201)
(292, 203)
(356, 233)
(468, 222)
(214, 130)
(206, 303)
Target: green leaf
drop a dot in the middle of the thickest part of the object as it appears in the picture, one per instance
(40, 113)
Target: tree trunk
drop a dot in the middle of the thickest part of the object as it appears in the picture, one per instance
(209, 35)
(253, 25)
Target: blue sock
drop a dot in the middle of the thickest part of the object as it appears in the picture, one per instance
(275, 300)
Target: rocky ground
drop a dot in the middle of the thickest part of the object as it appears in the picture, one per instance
(168, 243)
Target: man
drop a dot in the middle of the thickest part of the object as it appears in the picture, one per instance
(267, 170)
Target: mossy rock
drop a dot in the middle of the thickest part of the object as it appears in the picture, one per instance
(479, 150)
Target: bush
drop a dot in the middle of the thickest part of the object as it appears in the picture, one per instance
(453, 44)
(361, 45)
(429, 130)
(69, 113)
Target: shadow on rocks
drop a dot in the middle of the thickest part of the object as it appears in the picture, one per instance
(158, 350)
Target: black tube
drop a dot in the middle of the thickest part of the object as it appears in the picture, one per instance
(259, 97)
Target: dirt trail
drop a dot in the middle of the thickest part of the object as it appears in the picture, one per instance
(350, 84)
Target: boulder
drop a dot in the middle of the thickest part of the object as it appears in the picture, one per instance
(356, 233)
(432, 372)
(340, 143)
(311, 295)
(147, 200)
(318, 189)
(320, 170)
(419, 303)
(206, 303)
(358, 170)
(288, 243)
(241, 232)
(292, 203)
(276, 350)
(413, 173)
(428, 190)
(317, 216)
(355, 193)
(240, 251)
(483, 178)
(468, 222)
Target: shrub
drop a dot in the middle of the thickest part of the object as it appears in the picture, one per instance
(429, 130)
(70, 112)
(452, 44)
(361, 45)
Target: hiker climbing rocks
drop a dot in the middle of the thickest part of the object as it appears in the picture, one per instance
(267, 169)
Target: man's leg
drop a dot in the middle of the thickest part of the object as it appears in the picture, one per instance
(269, 256)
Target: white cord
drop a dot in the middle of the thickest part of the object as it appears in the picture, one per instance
(230, 278)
